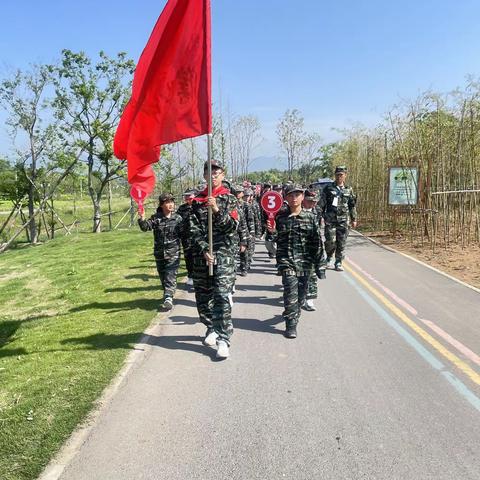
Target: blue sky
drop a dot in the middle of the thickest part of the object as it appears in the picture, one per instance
(338, 62)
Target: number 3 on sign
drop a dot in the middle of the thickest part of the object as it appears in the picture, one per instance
(271, 202)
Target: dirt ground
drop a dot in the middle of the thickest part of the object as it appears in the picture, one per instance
(463, 264)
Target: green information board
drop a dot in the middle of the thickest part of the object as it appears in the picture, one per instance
(403, 186)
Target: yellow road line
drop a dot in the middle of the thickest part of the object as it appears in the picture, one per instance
(466, 369)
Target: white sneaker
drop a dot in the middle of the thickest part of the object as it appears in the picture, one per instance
(309, 305)
(222, 351)
(167, 303)
(211, 338)
(230, 299)
(189, 282)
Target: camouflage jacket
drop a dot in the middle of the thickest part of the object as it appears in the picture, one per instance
(185, 210)
(241, 234)
(338, 204)
(224, 224)
(167, 232)
(249, 217)
(258, 218)
(299, 244)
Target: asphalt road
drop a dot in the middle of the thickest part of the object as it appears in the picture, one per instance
(381, 383)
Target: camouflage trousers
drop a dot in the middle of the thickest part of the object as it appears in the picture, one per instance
(167, 271)
(243, 260)
(212, 295)
(294, 294)
(247, 255)
(336, 235)
(270, 245)
(251, 251)
(312, 289)
(188, 255)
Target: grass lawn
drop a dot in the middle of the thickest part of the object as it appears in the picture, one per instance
(71, 309)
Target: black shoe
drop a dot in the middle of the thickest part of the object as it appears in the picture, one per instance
(338, 266)
(242, 273)
(291, 332)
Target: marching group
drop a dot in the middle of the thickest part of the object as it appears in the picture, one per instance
(292, 238)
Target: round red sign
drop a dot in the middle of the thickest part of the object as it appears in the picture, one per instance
(271, 202)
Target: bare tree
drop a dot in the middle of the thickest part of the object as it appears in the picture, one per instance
(292, 138)
(245, 138)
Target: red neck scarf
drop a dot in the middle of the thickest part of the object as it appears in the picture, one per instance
(203, 195)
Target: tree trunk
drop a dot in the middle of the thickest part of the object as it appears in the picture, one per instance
(97, 219)
(33, 231)
(110, 206)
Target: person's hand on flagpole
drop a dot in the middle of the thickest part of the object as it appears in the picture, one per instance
(209, 258)
(212, 202)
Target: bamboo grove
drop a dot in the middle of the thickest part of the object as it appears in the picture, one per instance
(438, 134)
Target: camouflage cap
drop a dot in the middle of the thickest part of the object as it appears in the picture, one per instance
(189, 192)
(215, 164)
(293, 188)
(311, 195)
(236, 189)
(341, 169)
(165, 197)
(248, 192)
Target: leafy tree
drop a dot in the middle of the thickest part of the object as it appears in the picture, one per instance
(24, 96)
(90, 99)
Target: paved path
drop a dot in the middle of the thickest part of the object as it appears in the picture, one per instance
(381, 383)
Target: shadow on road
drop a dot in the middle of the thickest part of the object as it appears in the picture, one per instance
(266, 326)
(181, 342)
(259, 288)
(275, 302)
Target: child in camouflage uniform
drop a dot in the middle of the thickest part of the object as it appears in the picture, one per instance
(212, 293)
(299, 254)
(309, 205)
(167, 231)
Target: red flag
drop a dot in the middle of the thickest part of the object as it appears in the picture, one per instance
(171, 92)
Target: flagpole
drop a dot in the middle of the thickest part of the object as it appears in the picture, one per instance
(209, 184)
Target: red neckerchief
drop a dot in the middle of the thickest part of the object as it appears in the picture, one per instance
(203, 195)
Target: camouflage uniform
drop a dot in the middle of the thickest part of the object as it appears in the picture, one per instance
(258, 218)
(250, 220)
(185, 211)
(299, 253)
(167, 232)
(241, 239)
(338, 210)
(212, 292)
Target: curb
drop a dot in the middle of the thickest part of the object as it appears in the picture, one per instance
(393, 250)
(72, 445)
